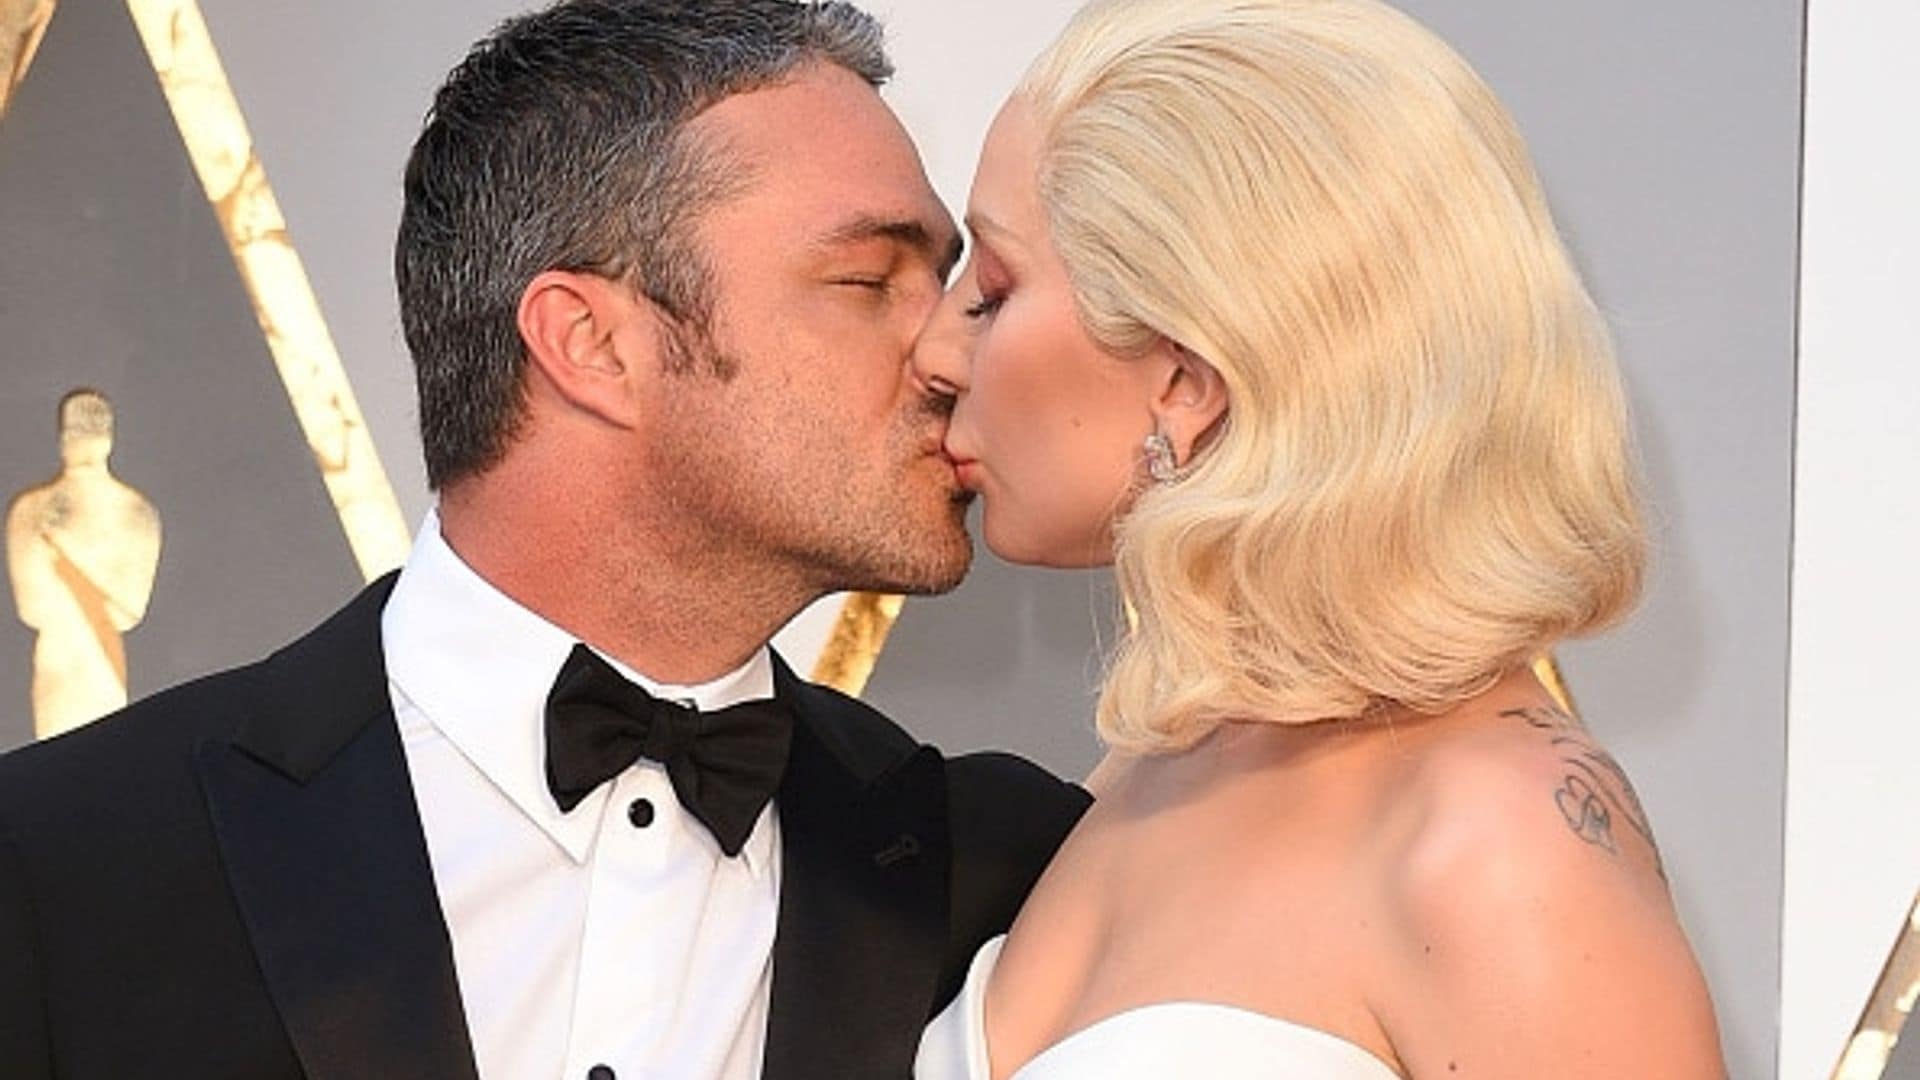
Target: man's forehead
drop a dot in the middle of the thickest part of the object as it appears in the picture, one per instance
(823, 151)
(818, 210)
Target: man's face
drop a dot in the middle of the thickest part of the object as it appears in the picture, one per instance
(815, 452)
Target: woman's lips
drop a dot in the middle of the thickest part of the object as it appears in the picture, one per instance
(966, 470)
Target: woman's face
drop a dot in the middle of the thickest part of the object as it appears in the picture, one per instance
(1047, 426)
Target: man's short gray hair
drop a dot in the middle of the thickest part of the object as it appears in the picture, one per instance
(561, 143)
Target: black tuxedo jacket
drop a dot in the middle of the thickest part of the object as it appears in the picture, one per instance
(230, 880)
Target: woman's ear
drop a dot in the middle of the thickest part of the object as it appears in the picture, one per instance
(578, 330)
(1190, 402)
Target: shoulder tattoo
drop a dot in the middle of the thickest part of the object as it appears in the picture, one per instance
(1595, 792)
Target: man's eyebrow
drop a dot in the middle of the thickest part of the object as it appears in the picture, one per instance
(944, 251)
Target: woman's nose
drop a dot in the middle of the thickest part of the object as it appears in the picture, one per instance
(940, 354)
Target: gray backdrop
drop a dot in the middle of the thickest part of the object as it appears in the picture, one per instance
(1668, 134)
(115, 275)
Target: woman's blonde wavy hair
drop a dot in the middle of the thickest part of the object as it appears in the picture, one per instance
(1425, 478)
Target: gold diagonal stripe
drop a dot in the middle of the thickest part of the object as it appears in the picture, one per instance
(1547, 670)
(223, 156)
(1888, 1008)
(854, 647)
(23, 23)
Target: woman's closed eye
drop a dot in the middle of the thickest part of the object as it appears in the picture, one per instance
(986, 306)
(988, 276)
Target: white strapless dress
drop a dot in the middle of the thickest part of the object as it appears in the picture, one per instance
(1176, 1039)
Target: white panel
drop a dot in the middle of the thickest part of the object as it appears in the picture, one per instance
(1853, 796)
(957, 63)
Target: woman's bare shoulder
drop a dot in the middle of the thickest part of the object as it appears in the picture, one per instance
(1535, 932)
(1530, 780)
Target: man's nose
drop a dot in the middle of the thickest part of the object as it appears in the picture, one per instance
(940, 356)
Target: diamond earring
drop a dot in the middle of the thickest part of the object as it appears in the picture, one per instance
(1161, 463)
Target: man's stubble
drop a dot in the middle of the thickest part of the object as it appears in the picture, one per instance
(779, 494)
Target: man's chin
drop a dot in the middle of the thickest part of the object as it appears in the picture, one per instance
(942, 583)
(935, 573)
(935, 565)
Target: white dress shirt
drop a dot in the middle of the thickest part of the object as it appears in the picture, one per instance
(615, 942)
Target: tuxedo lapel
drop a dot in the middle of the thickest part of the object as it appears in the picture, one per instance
(313, 809)
(863, 894)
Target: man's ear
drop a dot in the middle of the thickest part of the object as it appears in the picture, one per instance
(1190, 402)
(580, 335)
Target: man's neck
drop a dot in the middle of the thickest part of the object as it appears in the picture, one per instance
(677, 611)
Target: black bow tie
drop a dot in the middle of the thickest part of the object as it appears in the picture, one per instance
(724, 765)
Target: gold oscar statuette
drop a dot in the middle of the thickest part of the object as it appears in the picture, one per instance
(82, 552)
